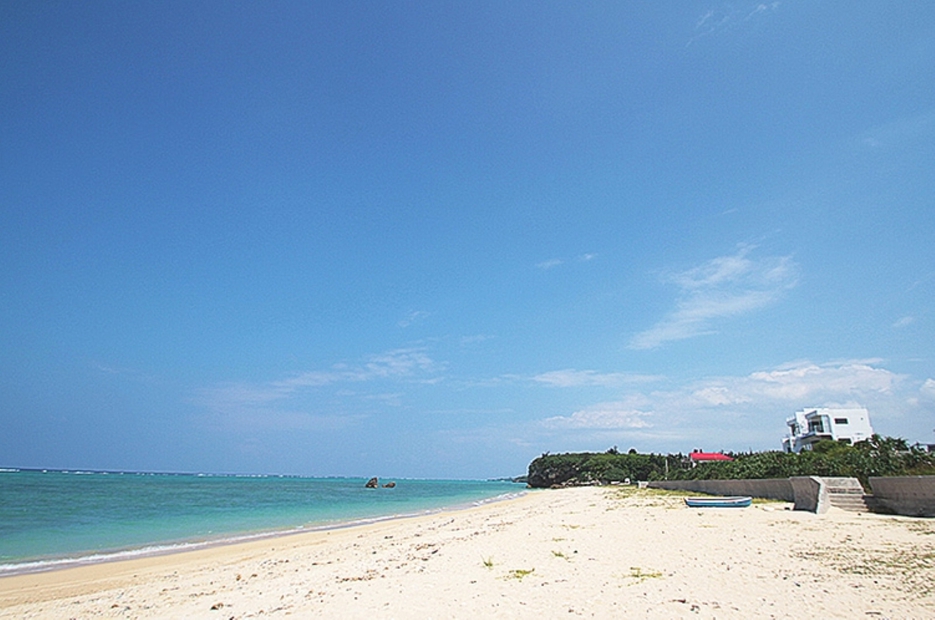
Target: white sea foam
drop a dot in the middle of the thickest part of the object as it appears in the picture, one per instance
(36, 566)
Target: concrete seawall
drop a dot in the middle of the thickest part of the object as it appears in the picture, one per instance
(912, 496)
(768, 488)
(809, 494)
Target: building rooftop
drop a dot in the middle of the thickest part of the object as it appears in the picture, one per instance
(709, 456)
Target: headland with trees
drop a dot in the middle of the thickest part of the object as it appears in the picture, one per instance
(877, 456)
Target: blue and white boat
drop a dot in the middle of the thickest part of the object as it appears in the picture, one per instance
(718, 502)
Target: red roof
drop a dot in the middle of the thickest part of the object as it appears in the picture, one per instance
(710, 456)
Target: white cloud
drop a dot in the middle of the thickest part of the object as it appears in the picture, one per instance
(577, 378)
(928, 389)
(719, 395)
(399, 362)
(813, 381)
(603, 416)
(725, 410)
(721, 288)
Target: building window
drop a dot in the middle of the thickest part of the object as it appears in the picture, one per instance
(840, 420)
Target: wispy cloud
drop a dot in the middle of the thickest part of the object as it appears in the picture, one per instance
(552, 263)
(413, 317)
(904, 322)
(900, 131)
(582, 378)
(727, 17)
(721, 288)
(711, 21)
(272, 419)
(923, 281)
(475, 339)
(762, 7)
(412, 365)
(123, 372)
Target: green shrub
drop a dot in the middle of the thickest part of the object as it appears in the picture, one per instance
(877, 456)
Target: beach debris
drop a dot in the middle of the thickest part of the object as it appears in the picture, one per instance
(372, 483)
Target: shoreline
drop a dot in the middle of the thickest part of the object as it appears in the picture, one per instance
(168, 548)
(583, 551)
(40, 587)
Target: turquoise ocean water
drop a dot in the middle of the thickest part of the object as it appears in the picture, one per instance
(51, 519)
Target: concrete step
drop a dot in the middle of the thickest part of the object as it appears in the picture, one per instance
(852, 502)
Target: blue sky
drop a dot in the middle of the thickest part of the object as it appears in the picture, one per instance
(438, 239)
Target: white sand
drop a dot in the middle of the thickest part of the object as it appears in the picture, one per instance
(565, 553)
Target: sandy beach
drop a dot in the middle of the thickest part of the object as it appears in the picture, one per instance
(602, 552)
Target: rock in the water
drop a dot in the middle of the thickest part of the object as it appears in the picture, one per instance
(389, 485)
(372, 483)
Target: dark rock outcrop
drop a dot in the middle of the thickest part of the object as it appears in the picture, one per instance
(389, 485)
(373, 483)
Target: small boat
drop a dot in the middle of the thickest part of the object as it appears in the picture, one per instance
(718, 502)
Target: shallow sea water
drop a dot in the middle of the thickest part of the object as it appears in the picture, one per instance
(53, 518)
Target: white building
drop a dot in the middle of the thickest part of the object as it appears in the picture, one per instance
(812, 425)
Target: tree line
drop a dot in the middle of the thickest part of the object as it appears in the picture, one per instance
(877, 456)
